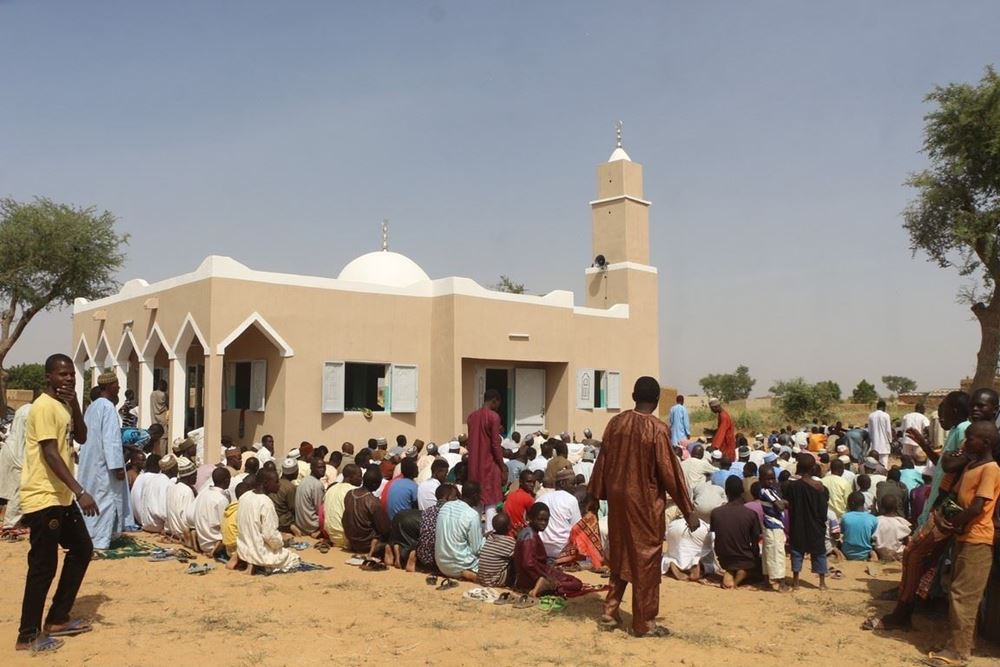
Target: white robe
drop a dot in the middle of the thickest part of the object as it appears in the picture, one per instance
(207, 512)
(11, 461)
(135, 495)
(101, 454)
(154, 502)
(180, 497)
(880, 432)
(258, 541)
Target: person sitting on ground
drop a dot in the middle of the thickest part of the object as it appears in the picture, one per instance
(892, 531)
(333, 505)
(366, 525)
(908, 474)
(558, 462)
(458, 537)
(250, 467)
(564, 513)
(697, 469)
(495, 556)
(229, 527)
(403, 493)
(735, 534)
(520, 499)
(749, 479)
(134, 464)
(284, 496)
(892, 486)
(180, 498)
(404, 536)
(919, 495)
(585, 538)
(259, 543)
(705, 498)
(864, 483)
(426, 491)
(688, 556)
(150, 468)
(334, 466)
(207, 512)
(725, 471)
(773, 507)
(838, 487)
(428, 525)
(308, 503)
(534, 574)
(154, 495)
(857, 527)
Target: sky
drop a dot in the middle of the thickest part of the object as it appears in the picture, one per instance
(776, 139)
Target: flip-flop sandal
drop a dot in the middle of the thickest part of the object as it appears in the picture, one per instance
(355, 561)
(551, 603)
(322, 547)
(373, 566)
(431, 580)
(935, 660)
(524, 602)
(608, 624)
(299, 546)
(657, 631)
(447, 584)
(836, 574)
(161, 556)
(76, 626)
(44, 644)
(194, 568)
(505, 598)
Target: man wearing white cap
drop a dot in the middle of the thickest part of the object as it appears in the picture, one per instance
(180, 497)
(880, 432)
(284, 497)
(259, 541)
(154, 495)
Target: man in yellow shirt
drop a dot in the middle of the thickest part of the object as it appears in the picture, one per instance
(48, 489)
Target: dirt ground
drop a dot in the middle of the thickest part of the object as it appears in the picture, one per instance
(154, 614)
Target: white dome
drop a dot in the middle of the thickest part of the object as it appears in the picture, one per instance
(384, 267)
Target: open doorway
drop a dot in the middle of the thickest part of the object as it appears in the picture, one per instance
(499, 379)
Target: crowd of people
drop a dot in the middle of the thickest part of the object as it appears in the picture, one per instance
(526, 513)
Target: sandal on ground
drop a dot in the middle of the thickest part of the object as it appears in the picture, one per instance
(524, 602)
(194, 568)
(76, 626)
(505, 598)
(431, 580)
(608, 624)
(43, 644)
(355, 561)
(552, 603)
(323, 547)
(876, 624)
(371, 565)
(836, 574)
(657, 631)
(447, 584)
(935, 660)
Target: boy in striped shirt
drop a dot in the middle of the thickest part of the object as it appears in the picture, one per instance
(498, 549)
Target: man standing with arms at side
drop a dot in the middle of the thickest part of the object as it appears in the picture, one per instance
(485, 455)
(725, 434)
(680, 422)
(102, 466)
(880, 432)
(634, 471)
(47, 492)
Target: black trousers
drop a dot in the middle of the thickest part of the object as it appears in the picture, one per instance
(51, 528)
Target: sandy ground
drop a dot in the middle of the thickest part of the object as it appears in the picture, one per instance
(154, 614)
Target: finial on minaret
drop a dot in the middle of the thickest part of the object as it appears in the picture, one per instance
(385, 233)
(618, 133)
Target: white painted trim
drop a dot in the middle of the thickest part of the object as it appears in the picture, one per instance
(607, 200)
(158, 332)
(86, 348)
(618, 311)
(189, 322)
(269, 332)
(129, 337)
(103, 340)
(618, 266)
(226, 268)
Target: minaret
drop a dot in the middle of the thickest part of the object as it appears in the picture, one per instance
(621, 236)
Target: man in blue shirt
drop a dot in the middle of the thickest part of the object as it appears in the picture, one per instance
(680, 422)
(724, 472)
(857, 527)
(403, 492)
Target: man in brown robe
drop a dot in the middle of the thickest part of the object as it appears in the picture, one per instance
(485, 456)
(634, 471)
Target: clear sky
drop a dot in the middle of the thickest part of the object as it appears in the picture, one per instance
(775, 136)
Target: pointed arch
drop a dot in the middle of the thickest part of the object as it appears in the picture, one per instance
(127, 345)
(262, 325)
(149, 349)
(87, 356)
(189, 332)
(103, 359)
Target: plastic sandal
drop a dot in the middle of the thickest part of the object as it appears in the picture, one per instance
(194, 568)
(657, 631)
(524, 602)
(431, 580)
(505, 598)
(551, 603)
(43, 644)
(371, 565)
(76, 626)
(447, 584)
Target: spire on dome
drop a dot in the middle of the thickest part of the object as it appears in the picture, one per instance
(619, 153)
(385, 233)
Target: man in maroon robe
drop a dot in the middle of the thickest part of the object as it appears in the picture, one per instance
(634, 472)
(725, 435)
(485, 456)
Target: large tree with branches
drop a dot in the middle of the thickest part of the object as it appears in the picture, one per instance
(955, 218)
(51, 254)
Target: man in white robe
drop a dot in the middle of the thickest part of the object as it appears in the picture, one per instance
(11, 461)
(180, 497)
(880, 432)
(154, 495)
(258, 541)
(101, 470)
(206, 512)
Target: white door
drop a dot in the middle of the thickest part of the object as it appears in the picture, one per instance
(529, 399)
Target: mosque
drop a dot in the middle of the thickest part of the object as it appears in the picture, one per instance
(383, 348)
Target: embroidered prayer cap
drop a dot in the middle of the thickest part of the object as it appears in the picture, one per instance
(107, 379)
(185, 467)
(289, 466)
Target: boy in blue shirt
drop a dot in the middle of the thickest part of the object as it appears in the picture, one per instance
(857, 528)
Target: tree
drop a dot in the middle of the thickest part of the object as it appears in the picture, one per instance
(798, 400)
(955, 218)
(51, 254)
(509, 286)
(864, 393)
(728, 386)
(898, 384)
(26, 376)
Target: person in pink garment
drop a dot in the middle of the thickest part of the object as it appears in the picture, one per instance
(486, 464)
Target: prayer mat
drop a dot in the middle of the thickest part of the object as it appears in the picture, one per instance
(126, 547)
(301, 567)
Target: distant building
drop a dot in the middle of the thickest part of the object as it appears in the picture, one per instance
(383, 349)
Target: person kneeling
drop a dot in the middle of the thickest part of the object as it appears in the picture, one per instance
(736, 533)
(534, 574)
(259, 542)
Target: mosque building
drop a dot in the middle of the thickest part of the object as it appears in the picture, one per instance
(383, 348)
